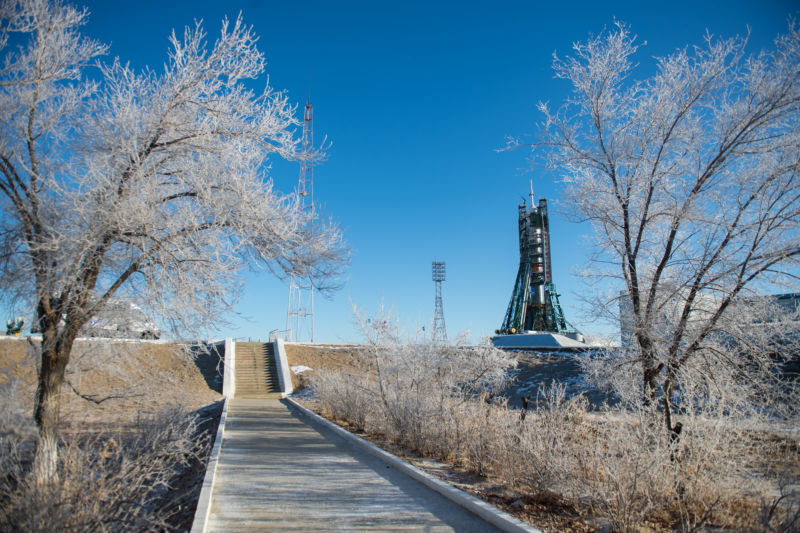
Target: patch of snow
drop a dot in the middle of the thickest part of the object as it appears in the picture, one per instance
(599, 341)
(299, 369)
(307, 394)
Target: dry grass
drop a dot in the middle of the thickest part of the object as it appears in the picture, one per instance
(108, 481)
(324, 357)
(611, 468)
(137, 422)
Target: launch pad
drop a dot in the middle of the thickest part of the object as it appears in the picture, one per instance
(533, 340)
(534, 318)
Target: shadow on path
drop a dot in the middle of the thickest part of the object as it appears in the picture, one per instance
(279, 469)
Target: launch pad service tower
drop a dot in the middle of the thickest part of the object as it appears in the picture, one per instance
(534, 318)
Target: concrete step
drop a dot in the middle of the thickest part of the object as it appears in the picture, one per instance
(256, 371)
(259, 373)
(259, 396)
(257, 385)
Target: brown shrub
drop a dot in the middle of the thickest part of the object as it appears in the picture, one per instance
(108, 481)
(616, 464)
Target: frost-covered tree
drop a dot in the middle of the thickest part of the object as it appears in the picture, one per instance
(151, 186)
(690, 179)
(413, 390)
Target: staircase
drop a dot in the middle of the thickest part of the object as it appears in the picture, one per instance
(256, 372)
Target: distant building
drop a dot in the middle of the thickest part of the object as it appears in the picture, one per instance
(768, 311)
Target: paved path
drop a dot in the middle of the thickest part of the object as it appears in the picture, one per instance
(280, 471)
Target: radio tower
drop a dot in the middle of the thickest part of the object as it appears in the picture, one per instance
(439, 332)
(300, 311)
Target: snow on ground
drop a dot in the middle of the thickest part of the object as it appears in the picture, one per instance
(536, 372)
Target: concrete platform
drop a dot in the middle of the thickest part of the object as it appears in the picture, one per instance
(538, 341)
(278, 470)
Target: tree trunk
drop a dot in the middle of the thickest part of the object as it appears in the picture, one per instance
(650, 369)
(669, 392)
(55, 356)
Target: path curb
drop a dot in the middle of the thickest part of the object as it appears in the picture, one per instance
(473, 504)
(203, 511)
(284, 372)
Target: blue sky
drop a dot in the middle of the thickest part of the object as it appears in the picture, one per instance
(416, 98)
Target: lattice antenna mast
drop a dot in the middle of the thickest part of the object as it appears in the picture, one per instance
(300, 310)
(306, 181)
(439, 331)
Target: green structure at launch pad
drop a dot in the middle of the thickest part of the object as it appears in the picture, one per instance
(534, 305)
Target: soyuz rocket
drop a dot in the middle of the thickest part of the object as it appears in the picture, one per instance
(534, 307)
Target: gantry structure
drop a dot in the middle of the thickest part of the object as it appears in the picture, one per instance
(534, 305)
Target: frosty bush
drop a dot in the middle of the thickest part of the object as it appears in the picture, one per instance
(414, 392)
(723, 468)
(348, 397)
(110, 481)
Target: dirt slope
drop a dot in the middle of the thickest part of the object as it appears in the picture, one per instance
(111, 379)
(322, 357)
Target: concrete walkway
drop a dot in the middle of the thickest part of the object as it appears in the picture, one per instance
(280, 471)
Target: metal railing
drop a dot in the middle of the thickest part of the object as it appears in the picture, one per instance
(280, 334)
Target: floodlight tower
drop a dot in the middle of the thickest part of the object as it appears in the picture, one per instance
(300, 311)
(439, 335)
